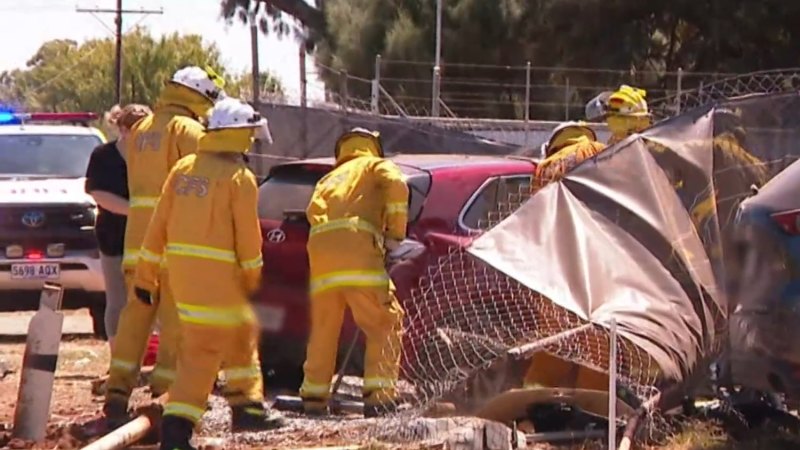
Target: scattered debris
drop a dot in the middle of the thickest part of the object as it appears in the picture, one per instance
(5, 370)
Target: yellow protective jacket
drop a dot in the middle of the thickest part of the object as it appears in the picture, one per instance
(362, 201)
(623, 126)
(156, 143)
(206, 227)
(574, 152)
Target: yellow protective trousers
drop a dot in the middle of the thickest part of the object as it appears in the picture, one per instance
(547, 370)
(209, 336)
(380, 316)
(135, 325)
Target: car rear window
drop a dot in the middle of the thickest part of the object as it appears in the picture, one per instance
(57, 155)
(289, 188)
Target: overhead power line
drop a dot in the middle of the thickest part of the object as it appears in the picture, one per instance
(119, 11)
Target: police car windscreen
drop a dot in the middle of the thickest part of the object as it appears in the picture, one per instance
(46, 155)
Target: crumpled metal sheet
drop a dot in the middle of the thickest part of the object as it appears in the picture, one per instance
(636, 234)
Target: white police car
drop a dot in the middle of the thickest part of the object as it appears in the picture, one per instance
(46, 218)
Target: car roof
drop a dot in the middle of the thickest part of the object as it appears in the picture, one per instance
(410, 163)
(31, 129)
(779, 193)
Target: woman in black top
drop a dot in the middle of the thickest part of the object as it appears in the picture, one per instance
(107, 183)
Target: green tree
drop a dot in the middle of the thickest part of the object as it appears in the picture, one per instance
(272, 90)
(631, 36)
(66, 76)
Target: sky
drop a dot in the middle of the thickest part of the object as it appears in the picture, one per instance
(27, 24)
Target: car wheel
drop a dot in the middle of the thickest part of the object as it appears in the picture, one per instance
(98, 310)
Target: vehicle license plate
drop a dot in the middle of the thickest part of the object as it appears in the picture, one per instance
(41, 271)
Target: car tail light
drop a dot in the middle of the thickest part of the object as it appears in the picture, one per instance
(789, 221)
(34, 254)
(14, 251)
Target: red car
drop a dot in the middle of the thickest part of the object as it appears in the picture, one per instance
(450, 195)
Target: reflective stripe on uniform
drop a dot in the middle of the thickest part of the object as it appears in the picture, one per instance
(349, 278)
(314, 389)
(397, 208)
(206, 315)
(124, 365)
(348, 223)
(254, 263)
(373, 383)
(130, 256)
(143, 202)
(184, 410)
(164, 374)
(149, 256)
(202, 252)
(242, 373)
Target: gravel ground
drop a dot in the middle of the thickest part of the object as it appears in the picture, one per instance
(75, 410)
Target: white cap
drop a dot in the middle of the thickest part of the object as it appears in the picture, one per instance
(202, 81)
(234, 113)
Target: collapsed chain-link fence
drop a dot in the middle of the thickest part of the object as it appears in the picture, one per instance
(663, 204)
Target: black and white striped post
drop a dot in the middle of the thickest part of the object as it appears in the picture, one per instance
(39, 366)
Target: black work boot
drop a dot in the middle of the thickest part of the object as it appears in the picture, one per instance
(176, 432)
(116, 412)
(255, 417)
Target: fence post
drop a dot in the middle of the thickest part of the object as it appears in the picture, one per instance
(680, 90)
(376, 86)
(303, 75)
(566, 100)
(345, 96)
(612, 386)
(32, 411)
(436, 94)
(527, 101)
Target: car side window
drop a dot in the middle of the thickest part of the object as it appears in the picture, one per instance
(497, 199)
(514, 190)
(481, 205)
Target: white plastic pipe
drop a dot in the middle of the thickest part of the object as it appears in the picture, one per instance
(124, 436)
(39, 366)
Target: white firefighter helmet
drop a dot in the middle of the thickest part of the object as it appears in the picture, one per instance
(234, 113)
(204, 81)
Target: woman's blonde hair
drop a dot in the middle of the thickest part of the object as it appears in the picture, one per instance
(127, 116)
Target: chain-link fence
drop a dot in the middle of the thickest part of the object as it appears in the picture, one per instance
(766, 82)
(642, 235)
(484, 91)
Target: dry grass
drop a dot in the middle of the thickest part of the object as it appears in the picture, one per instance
(710, 436)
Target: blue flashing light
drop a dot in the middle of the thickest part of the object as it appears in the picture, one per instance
(8, 117)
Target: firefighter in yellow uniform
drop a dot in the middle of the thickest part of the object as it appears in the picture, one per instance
(206, 227)
(569, 145)
(358, 211)
(625, 112)
(157, 143)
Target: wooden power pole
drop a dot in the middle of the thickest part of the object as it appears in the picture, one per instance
(119, 12)
(254, 55)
